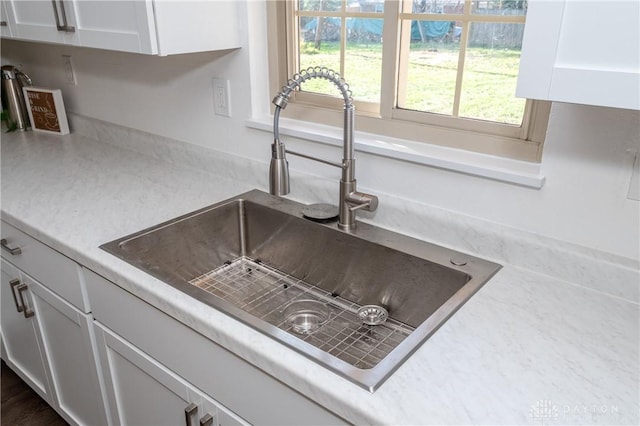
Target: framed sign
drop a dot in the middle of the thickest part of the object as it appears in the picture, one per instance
(46, 110)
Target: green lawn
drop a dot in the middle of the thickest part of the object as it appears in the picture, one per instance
(488, 85)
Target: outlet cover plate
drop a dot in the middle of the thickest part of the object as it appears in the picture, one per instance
(221, 97)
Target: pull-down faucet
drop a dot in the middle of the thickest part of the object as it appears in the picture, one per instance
(350, 199)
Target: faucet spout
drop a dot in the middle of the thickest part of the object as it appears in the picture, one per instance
(278, 170)
(350, 199)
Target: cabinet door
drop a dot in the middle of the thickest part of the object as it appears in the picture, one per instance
(115, 25)
(36, 20)
(67, 342)
(126, 25)
(5, 28)
(21, 346)
(140, 390)
(224, 417)
(196, 26)
(585, 52)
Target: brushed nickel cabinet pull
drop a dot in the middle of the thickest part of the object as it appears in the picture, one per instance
(188, 412)
(13, 251)
(61, 25)
(13, 283)
(28, 313)
(206, 420)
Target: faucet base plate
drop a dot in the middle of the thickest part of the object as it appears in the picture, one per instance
(320, 212)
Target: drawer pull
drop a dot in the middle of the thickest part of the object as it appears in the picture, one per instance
(62, 26)
(13, 283)
(12, 251)
(188, 412)
(28, 313)
(206, 420)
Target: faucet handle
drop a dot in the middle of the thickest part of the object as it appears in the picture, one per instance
(361, 201)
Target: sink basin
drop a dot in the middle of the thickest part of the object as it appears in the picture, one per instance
(254, 256)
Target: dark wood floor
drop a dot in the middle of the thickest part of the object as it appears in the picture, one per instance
(21, 406)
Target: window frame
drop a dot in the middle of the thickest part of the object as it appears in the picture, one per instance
(523, 142)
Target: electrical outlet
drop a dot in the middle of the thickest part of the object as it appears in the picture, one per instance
(67, 66)
(221, 97)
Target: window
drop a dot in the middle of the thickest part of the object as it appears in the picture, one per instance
(436, 71)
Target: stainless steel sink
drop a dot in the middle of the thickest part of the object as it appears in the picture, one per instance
(253, 255)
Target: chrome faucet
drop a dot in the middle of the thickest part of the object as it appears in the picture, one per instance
(350, 199)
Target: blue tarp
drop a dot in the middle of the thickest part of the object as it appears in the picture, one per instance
(364, 25)
(431, 29)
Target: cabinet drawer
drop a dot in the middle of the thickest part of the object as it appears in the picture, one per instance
(231, 381)
(61, 274)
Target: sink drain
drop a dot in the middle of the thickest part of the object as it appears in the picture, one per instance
(306, 316)
(373, 314)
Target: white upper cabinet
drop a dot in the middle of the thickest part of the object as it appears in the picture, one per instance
(582, 51)
(156, 27)
(5, 29)
(34, 20)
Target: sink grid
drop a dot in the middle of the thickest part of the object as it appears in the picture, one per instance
(264, 292)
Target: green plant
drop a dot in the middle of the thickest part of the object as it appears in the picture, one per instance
(12, 126)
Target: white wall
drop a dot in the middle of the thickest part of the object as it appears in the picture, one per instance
(587, 156)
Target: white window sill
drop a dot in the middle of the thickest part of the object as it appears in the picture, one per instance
(487, 166)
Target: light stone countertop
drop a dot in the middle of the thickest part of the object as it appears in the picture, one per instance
(528, 348)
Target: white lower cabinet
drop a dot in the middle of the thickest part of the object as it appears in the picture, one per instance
(224, 416)
(21, 345)
(141, 391)
(47, 342)
(67, 342)
(47, 330)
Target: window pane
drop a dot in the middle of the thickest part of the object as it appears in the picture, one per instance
(366, 6)
(490, 74)
(431, 71)
(320, 5)
(438, 6)
(499, 7)
(363, 58)
(319, 49)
